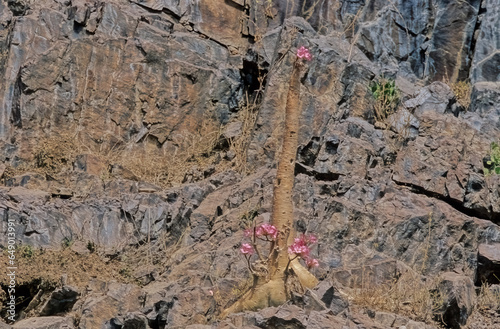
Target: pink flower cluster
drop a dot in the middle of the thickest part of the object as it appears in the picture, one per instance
(247, 249)
(304, 53)
(301, 248)
(267, 232)
(264, 230)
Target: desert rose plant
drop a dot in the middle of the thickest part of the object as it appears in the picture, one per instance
(279, 272)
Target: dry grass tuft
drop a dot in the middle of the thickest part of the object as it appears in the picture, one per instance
(169, 168)
(486, 314)
(462, 91)
(488, 299)
(248, 117)
(409, 295)
(54, 154)
(187, 157)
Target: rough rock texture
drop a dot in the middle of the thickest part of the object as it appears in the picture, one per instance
(488, 259)
(458, 300)
(54, 322)
(383, 198)
(61, 301)
(486, 58)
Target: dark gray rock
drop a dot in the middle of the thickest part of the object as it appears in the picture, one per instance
(435, 97)
(452, 176)
(18, 7)
(400, 29)
(135, 320)
(488, 267)
(129, 74)
(60, 301)
(331, 297)
(486, 57)
(457, 294)
(447, 53)
(485, 109)
(404, 123)
(110, 304)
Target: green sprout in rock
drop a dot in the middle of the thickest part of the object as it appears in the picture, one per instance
(492, 162)
(386, 96)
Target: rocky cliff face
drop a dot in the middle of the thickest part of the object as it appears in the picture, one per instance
(406, 194)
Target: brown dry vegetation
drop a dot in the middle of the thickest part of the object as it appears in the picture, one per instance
(409, 295)
(462, 91)
(48, 265)
(42, 270)
(192, 154)
(486, 314)
(418, 298)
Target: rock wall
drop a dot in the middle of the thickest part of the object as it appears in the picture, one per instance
(409, 193)
(136, 68)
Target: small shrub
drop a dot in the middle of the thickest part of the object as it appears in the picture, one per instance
(386, 96)
(52, 155)
(91, 246)
(462, 91)
(492, 162)
(67, 243)
(125, 272)
(26, 251)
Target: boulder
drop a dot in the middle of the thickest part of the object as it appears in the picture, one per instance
(106, 302)
(435, 97)
(456, 298)
(60, 301)
(488, 267)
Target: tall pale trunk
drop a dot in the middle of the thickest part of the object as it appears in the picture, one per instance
(272, 289)
(282, 216)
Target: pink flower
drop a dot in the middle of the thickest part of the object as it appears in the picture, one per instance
(299, 249)
(246, 248)
(300, 246)
(312, 262)
(307, 239)
(248, 232)
(270, 231)
(311, 238)
(263, 230)
(303, 52)
(259, 231)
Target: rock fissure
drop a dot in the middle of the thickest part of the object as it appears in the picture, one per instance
(457, 205)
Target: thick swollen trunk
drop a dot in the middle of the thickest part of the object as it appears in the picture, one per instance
(282, 217)
(284, 276)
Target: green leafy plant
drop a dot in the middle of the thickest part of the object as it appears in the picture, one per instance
(91, 246)
(492, 162)
(26, 251)
(386, 96)
(67, 242)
